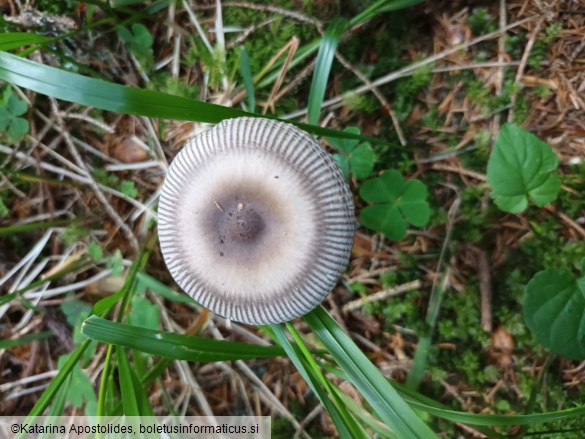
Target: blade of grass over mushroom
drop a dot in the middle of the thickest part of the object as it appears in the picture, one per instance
(13, 40)
(246, 73)
(344, 421)
(109, 96)
(170, 345)
(323, 67)
(385, 400)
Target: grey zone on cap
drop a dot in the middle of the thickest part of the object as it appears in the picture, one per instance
(255, 221)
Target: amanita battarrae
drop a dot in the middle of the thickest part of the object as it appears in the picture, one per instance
(255, 221)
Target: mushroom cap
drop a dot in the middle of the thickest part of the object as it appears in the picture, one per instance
(255, 220)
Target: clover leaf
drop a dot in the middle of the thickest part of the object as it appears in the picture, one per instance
(139, 40)
(398, 202)
(554, 310)
(360, 158)
(521, 167)
(11, 108)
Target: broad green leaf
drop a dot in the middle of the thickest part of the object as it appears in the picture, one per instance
(109, 96)
(554, 310)
(398, 203)
(522, 167)
(170, 345)
(323, 67)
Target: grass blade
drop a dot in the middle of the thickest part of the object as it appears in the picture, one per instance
(145, 282)
(109, 96)
(170, 345)
(25, 339)
(10, 230)
(385, 400)
(248, 81)
(13, 40)
(127, 391)
(323, 67)
(344, 428)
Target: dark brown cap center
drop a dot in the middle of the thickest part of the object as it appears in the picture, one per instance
(242, 224)
(239, 226)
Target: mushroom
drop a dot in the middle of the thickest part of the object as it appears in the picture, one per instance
(255, 221)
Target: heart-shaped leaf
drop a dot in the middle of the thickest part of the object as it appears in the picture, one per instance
(11, 108)
(398, 202)
(521, 167)
(554, 310)
(353, 157)
(139, 40)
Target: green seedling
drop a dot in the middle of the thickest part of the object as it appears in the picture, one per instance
(354, 157)
(95, 252)
(11, 108)
(114, 263)
(554, 310)
(398, 202)
(522, 167)
(127, 187)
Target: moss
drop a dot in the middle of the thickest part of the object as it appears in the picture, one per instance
(407, 90)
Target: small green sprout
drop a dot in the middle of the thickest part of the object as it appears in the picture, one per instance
(95, 252)
(114, 263)
(398, 202)
(353, 156)
(127, 187)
